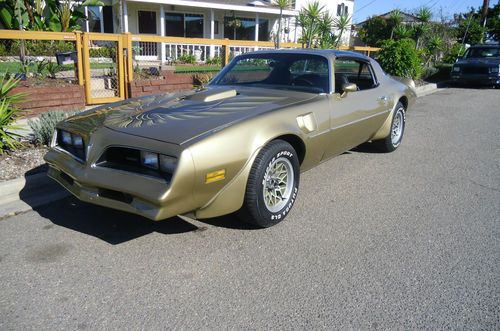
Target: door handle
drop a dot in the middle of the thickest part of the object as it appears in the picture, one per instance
(383, 98)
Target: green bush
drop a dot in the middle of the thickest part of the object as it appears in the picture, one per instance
(187, 58)
(216, 60)
(454, 53)
(35, 47)
(109, 52)
(400, 58)
(44, 127)
(8, 114)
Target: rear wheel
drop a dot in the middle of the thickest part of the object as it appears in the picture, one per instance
(272, 185)
(398, 124)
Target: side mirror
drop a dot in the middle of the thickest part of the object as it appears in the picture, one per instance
(348, 87)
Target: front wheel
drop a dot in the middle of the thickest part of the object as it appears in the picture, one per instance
(398, 124)
(272, 185)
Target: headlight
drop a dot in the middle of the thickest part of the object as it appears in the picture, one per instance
(77, 141)
(71, 142)
(456, 69)
(168, 164)
(149, 160)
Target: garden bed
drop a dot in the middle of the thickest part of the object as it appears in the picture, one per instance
(24, 161)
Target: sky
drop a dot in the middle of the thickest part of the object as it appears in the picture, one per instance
(366, 8)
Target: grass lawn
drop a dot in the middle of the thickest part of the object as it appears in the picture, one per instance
(194, 69)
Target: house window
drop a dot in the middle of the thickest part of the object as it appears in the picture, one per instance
(147, 22)
(342, 9)
(94, 18)
(194, 25)
(263, 30)
(184, 25)
(242, 28)
(107, 15)
(174, 25)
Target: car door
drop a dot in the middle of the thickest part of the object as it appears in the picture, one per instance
(355, 116)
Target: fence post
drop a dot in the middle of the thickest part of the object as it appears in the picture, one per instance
(129, 57)
(86, 67)
(225, 52)
(79, 64)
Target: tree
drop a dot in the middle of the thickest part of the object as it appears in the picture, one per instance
(400, 58)
(309, 19)
(493, 22)
(469, 29)
(282, 4)
(375, 30)
(342, 24)
(395, 19)
(424, 14)
(326, 37)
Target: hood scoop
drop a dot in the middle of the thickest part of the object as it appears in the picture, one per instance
(212, 95)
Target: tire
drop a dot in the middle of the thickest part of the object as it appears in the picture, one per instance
(264, 205)
(398, 125)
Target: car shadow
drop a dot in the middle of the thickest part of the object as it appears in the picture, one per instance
(109, 225)
(367, 147)
(113, 226)
(229, 222)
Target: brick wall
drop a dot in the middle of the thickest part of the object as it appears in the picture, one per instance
(168, 82)
(43, 99)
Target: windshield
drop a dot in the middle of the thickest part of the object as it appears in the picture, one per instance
(482, 52)
(302, 72)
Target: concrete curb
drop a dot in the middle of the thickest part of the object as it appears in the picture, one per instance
(426, 89)
(25, 193)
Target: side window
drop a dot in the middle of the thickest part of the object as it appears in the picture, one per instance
(353, 71)
(312, 73)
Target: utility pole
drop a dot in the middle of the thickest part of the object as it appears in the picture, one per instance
(484, 12)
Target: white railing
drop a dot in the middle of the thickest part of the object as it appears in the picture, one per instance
(146, 51)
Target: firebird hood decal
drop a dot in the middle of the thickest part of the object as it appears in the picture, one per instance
(180, 118)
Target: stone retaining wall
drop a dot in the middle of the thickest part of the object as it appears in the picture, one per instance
(44, 99)
(167, 82)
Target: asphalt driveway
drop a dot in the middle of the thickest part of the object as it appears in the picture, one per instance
(403, 240)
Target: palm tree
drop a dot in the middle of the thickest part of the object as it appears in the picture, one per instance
(282, 4)
(402, 32)
(342, 23)
(396, 18)
(424, 14)
(313, 15)
(327, 38)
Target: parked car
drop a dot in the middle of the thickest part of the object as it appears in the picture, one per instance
(479, 65)
(235, 146)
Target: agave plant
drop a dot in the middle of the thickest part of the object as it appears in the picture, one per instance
(9, 113)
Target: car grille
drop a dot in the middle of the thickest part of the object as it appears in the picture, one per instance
(475, 70)
(128, 159)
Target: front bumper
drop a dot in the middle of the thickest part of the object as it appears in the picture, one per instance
(149, 197)
(479, 79)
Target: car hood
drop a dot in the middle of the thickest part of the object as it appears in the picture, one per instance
(180, 118)
(479, 61)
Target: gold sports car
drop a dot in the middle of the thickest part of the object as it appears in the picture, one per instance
(235, 146)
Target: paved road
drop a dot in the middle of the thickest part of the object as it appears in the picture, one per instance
(403, 240)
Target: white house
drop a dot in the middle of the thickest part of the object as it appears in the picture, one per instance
(212, 19)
